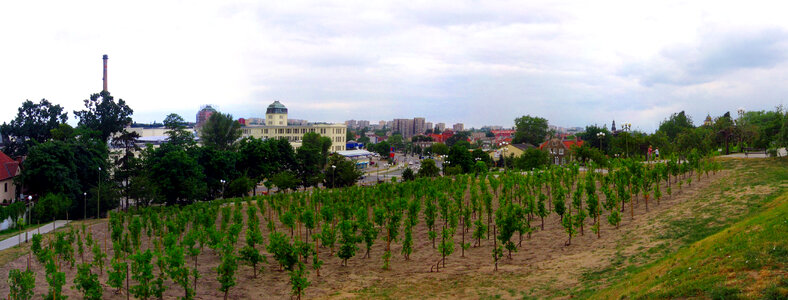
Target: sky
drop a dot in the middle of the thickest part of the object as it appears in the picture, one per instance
(575, 63)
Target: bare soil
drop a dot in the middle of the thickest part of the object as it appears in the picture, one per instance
(542, 266)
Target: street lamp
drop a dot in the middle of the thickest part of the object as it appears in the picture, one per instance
(626, 128)
(85, 205)
(29, 212)
(333, 171)
(222, 181)
(600, 136)
(98, 197)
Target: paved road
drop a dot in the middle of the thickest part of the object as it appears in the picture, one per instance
(14, 240)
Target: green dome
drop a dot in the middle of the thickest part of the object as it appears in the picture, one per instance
(276, 108)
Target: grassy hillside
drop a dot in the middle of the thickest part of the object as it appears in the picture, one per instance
(747, 260)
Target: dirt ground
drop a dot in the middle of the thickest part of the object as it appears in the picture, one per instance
(543, 264)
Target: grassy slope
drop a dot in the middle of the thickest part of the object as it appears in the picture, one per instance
(749, 259)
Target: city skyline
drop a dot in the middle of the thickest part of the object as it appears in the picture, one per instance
(573, 63)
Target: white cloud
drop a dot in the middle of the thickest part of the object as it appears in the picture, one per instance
(573, 62)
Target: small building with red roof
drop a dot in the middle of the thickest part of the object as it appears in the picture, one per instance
(560, 149)
(9, 169)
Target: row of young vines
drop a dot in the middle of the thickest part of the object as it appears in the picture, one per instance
(157, 248)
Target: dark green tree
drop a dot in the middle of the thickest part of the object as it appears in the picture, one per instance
(532, 130)
(220, 131)
(340, 172)
(34, 122)
(104, 115)
(177, 132)
(21, 284)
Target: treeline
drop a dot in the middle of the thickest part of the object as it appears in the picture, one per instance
(98, 165)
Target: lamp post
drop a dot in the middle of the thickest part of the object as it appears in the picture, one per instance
(626, 128)
(333, 171)
(85, 205)
(222, 181)
(98, 197)
(504, 155)
(444, 166)
(29, 212)
(600, 136)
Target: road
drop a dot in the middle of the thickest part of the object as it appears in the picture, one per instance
(14, 240)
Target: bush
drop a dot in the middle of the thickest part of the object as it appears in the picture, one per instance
(532, 159)
(21, 284)
(408, 175)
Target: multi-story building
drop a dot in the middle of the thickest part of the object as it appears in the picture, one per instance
(203, 114)
(428, 125)
(440, 127)
(362, 124)
(458, 127)
(404, 127)
(350, 124)
(276, 126)
(418, 126)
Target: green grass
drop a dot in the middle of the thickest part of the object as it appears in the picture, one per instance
(715, 209)
(747, 260)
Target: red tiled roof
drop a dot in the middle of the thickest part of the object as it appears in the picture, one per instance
(8, 167)
(567, 143)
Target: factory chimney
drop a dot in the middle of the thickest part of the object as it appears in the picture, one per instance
(105, 72)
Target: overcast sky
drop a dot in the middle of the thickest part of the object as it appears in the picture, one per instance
(477, 62)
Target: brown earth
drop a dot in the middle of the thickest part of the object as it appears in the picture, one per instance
(542, 266)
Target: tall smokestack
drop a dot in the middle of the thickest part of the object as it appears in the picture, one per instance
(105, 72)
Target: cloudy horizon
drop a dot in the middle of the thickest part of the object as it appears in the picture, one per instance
(575, 63)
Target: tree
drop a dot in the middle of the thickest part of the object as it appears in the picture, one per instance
(428, 169)
(33, 122)
(340, 172)
(532, 130)
(177, 175)
(285, 180)
(458, 137)
(226, 269)
(21, 284)
(220, 131)
(51, 207)
(593, 139)
(408, 175)
(440, 149)
(176, 130)
(383, 148)
(142, 273)
(104, 115)
(126, 164)
(311, 157)
(674, 125)
(87, 283)
(459, 156)
(725, 130)
(532, 158)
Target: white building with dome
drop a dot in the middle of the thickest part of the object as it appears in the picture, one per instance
(276, 126)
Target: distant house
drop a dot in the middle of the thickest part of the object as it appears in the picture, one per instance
(511, 150)
(9, 169)
(560, 149)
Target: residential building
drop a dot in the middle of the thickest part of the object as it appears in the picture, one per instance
(511, 150)
(361, 124)
(440, 127)
(9, 169)
(404, 127)
(458, 127)
(560, 150)
(278, 127)
(418, 126)
(428, 125)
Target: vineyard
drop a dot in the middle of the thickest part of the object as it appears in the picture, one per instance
(319, 242)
